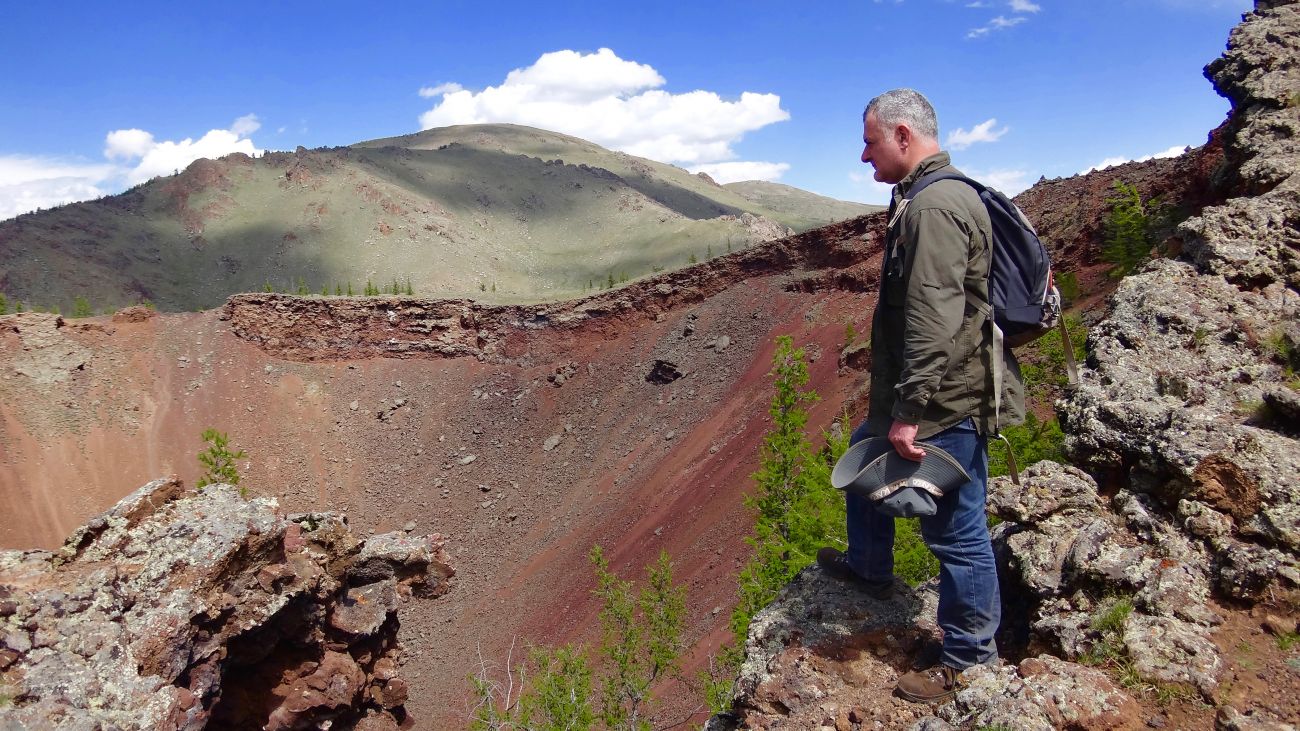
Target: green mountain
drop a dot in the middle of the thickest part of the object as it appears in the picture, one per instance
(798, 208)
(495, 212)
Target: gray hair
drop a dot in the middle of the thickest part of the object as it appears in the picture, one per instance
(904, 106)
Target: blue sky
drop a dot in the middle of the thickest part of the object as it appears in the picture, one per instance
(95, 97)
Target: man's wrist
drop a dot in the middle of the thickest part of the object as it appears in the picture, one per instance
(908, 413)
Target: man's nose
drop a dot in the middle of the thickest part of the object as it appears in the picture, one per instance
(866, 154)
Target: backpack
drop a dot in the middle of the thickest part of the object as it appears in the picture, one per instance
(1026, 304)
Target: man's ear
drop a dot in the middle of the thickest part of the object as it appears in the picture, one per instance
(903, 135)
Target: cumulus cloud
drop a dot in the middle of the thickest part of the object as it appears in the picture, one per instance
(1174, 151)
(1000, 22)
(132, 156)
(733, 172)
(960, 139)
(29, 183)
(1024, 6)
(432, 91)
(616, 103)
(152, 158)
(246, 125)
(1008, 180)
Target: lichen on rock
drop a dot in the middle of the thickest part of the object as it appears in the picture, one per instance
(180, 609)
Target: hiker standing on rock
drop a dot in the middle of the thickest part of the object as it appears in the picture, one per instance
(932, 379)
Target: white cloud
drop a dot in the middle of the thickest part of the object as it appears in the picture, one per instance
(163, 158)
(1024, 6)
(432, 91)
(732, 172)
(1174, 151)
(126, 144)
(999, 23)
(1009, 181)
(960, 139)
(133, 156)
(29, 183)
(616, 103)
(979, 4)
(246, 125)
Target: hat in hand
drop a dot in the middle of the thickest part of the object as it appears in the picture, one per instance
(895, 485)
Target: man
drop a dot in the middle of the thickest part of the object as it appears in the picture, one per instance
(931, 380)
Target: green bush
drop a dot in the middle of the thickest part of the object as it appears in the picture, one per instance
(1068, 285)
(218, 460)
(641, 643)
(1128, 240)
(1042, 362)
(913, 560)
(4, 304)
(1033, 441)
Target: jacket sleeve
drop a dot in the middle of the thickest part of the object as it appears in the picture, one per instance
(935, 271)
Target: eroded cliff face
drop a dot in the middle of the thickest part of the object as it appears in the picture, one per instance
(1183, 507)
(179, 609)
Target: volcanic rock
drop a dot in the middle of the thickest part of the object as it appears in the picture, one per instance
(178, 609)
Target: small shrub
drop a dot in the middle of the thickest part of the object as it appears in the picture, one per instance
(1042, 362)
(4, 304)
(1129, 229)
(1281, 349)
(692, 259)
(1032, 442)
(913, 561)
(1068, 284)
(1111, 620)
(218, 460)
(81, 307)
(1287, 640)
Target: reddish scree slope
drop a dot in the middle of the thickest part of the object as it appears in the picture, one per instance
(376, 406)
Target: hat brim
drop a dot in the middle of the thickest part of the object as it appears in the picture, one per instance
(873, 469)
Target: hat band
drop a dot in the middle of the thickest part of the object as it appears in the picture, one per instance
(897, 485)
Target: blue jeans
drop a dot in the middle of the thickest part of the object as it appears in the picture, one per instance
(969, 604)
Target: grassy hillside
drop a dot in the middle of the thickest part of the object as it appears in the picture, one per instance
(495, 212)
(798, 208)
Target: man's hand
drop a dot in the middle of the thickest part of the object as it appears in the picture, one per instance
(902, 437)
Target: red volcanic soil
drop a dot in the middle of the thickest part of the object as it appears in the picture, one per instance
(523, 434)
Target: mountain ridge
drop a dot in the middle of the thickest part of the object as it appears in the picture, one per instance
(494, 212)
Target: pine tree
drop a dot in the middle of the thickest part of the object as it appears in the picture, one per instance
(218, 460)
(1127, 230)
(81, 307)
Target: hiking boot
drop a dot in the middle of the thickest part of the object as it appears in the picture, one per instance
(836, 565)
(933, 685)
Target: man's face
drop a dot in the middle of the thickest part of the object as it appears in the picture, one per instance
(882, 150)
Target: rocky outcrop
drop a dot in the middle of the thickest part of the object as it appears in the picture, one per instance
(1185, 405)
(1183, 504)
(179, 609)
(824, 655)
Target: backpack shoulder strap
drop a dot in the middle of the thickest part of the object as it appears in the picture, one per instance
(926, 181)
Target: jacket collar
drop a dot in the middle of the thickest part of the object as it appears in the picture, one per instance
(925, 167)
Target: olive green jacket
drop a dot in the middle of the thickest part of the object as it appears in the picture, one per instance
(931, 348)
